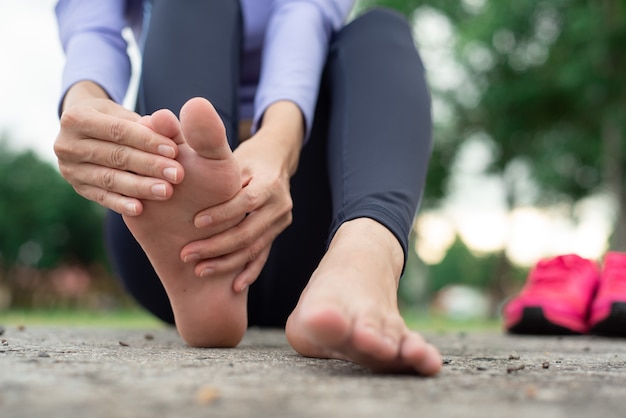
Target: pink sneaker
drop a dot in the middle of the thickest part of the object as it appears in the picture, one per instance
(608, 311)
(555, 299)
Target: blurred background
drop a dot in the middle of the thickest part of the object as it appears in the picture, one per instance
(528, 160)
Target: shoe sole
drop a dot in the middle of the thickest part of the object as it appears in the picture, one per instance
(534, 322)
(614, 325)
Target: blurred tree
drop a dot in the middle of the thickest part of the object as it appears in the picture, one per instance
(460, 265)
(542, 81)
(43, 222)
(552, 95)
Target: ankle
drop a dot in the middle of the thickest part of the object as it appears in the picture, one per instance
(374, 235)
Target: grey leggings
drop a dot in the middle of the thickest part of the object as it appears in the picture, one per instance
(367, 155)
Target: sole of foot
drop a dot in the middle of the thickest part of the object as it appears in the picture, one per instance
(208, 313)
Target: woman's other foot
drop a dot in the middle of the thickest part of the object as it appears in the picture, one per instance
(349, 308)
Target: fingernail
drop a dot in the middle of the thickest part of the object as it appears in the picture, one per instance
(203, 221)
(159, 190)
(191, 257)
(206, 272)
(131, 208)
(166, 151)
(170, 173)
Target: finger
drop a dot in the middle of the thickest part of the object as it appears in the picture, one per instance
(240, 237)
(123, 182)
(121, 204)
(222, 213)
(246, 201)
(79, 123)
(188, 253)
(107, 154)
(251, 272)
(235, 260)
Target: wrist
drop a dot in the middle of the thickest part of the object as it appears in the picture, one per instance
(82, 91)
(283, 126)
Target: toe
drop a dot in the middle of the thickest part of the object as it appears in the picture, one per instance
(164, 122)
(432, 362)
(370, 338)
(394, 330)
(420, 355)
(204, 130)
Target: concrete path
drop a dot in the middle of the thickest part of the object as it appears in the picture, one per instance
(76, 372)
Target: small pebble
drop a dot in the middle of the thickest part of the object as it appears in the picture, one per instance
(545, 365)
(4, 342)
(123, 344)
(207, 395)
(43, 354)
(514, 356)
(21, 327)
(515, 368)
(149, 337)
(2, 329)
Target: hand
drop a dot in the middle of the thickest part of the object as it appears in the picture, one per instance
(265, 197)
(267, 160)
(110, 158)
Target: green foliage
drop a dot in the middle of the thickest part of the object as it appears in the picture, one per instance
(550, 77)
(43, 222)
(460, 265)
(555, 78)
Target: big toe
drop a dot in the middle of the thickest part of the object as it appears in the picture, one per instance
(204, 130)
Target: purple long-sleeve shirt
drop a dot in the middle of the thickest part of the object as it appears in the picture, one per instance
(285, 46)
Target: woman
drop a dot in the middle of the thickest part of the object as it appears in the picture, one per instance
(313, 210)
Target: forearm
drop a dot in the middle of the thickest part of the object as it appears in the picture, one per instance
(282, 130)
(295, 49)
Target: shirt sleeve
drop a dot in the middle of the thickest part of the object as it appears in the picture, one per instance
(95, 50)
(294, 52)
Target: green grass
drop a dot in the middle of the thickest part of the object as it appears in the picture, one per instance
(131, 318)
(440, 324)
(136, 318)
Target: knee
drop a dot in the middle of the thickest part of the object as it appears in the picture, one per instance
(376, 31)
(383, 17)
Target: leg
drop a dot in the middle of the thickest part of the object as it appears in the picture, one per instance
(131, 265)
(193, 48)
(379, 143)
(297, 251)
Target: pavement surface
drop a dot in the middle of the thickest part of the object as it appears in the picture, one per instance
(80, 372)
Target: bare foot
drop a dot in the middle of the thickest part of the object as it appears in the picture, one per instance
(207, 311)
(349, 308)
